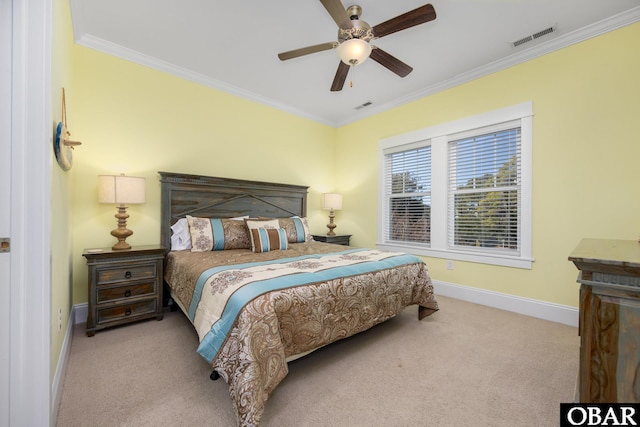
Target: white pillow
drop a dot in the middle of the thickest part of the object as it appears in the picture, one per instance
(180, 236)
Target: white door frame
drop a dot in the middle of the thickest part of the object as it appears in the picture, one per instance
(30, 133)
(5, 198)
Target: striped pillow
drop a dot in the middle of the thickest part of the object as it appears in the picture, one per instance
(268, 239)
(296, 228)
(216, 234)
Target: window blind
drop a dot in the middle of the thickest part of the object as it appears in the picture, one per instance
(407, 192)
(484, 197)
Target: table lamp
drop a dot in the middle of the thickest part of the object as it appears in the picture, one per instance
(121, 190)
(332, 202)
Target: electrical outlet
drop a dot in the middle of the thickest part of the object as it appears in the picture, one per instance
(449, 264)
(59, 319)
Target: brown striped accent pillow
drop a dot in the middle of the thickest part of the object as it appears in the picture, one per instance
(268, 239)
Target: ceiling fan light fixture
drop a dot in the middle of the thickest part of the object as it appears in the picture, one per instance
(353, 51)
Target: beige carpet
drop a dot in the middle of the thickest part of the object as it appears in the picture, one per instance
(466, 365)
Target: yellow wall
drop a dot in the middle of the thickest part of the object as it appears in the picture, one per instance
(61, 182)
(586, 103)
(138, 121)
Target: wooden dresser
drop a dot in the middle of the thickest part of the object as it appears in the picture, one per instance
(609, 320)
(124, 286)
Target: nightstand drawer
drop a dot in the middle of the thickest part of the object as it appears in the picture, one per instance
(132, 272)
(106, 294)
(123, 311)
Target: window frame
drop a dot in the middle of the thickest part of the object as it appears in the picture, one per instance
(438, 137)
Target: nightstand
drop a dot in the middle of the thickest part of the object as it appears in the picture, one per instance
(337, 239)
(124, 286)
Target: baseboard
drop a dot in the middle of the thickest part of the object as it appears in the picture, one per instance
(529, 307)
(535, 308)
(81, 312)
(61, 369)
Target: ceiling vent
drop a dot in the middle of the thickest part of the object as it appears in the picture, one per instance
(534, 36)
(366, 104)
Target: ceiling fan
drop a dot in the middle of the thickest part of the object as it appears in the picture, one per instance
(354, 35)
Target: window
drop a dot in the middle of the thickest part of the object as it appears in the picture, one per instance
(461, 190)
(409, 190)
(484, 190)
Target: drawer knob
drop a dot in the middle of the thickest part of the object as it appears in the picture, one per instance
(127, 275)
(127, 293)
(127, 312)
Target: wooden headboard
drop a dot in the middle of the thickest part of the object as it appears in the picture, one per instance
(213, 197)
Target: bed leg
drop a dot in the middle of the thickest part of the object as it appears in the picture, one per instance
(424, 312)
(214, 375)
(173, 306)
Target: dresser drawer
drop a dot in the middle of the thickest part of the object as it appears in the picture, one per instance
(106, 294)
(132, 272)
(123, 311)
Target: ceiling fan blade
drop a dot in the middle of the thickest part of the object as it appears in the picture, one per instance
(305, 50)
(337, 12)
(341, 76)
(390, 62)
(410, 19)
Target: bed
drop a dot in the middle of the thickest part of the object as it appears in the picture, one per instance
(257, 288)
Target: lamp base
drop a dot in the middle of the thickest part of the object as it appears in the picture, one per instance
(121, 245)
(331, 224)
(122, 232)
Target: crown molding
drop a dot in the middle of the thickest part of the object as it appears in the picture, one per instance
(617, 21)
(134, 56)
(606, 25)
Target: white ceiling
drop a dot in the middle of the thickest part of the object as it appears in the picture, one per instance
(233, 45)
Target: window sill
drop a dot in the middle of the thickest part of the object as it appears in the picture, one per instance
(492, 259)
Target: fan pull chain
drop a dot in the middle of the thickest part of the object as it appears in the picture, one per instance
(351, 73)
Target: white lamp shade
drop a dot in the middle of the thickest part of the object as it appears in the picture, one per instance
(332, 201)
(353, 51)
(120, 189)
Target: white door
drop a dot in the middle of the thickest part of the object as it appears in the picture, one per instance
(5, 200)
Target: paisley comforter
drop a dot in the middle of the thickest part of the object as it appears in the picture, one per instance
(253, 312)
